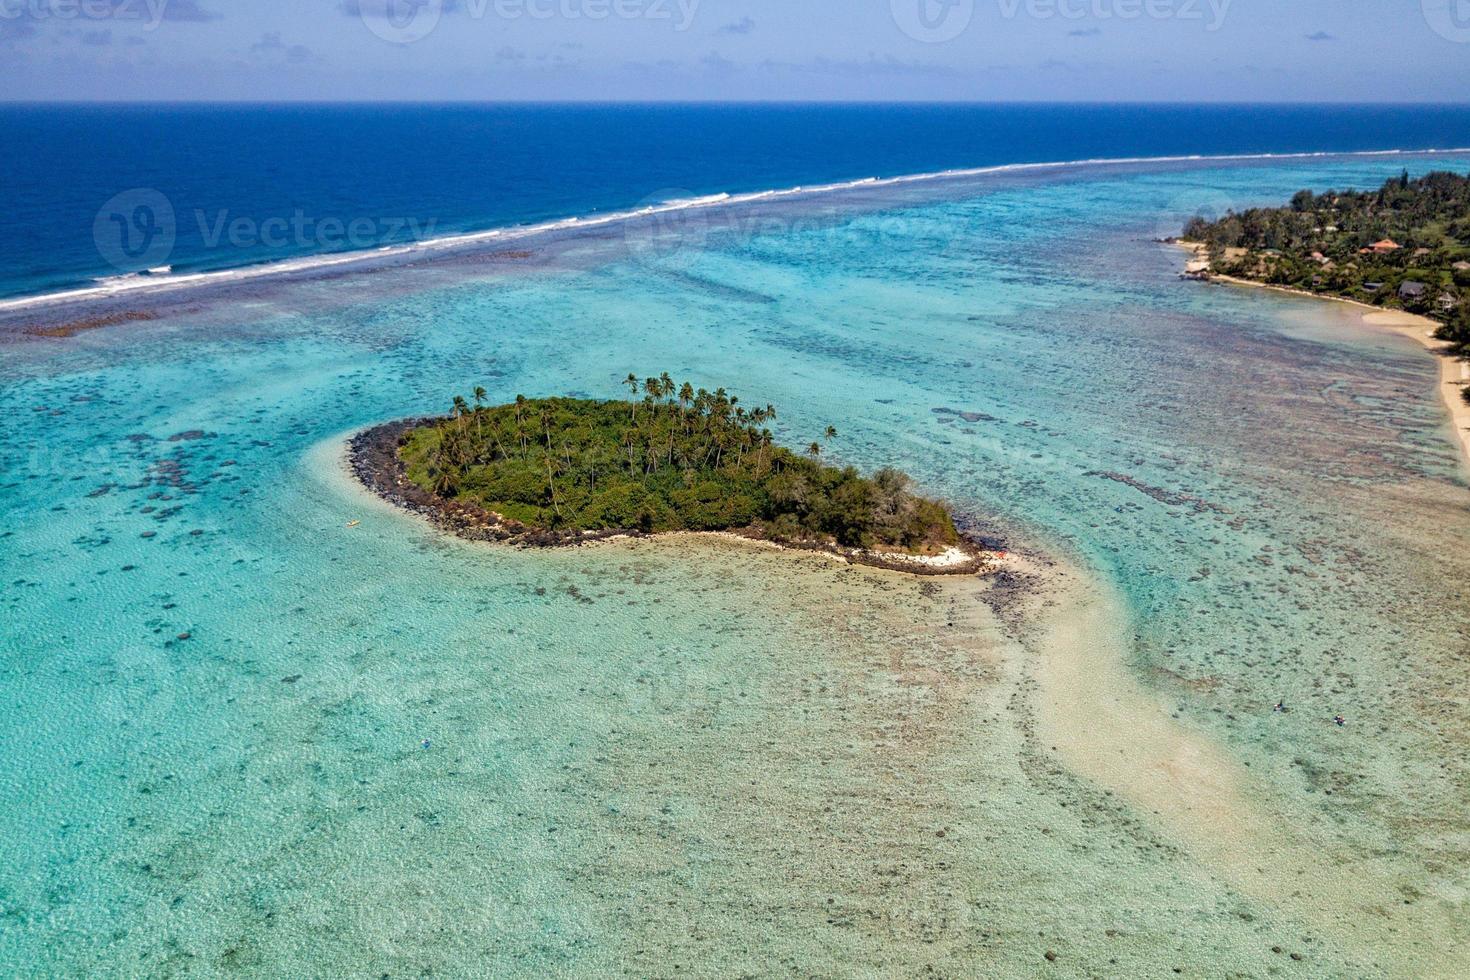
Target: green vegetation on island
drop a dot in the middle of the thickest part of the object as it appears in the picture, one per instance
(1404, 246)
(673, 459)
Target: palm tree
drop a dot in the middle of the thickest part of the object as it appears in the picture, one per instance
(461, 409)
(830, 434)
(520, 422)
(766, 440)
(551, 481)
(479, 408)
(444, 482)
(814, 450)
(747, 438)
(495, 437)
(628, 447)
(632, 382)
(667, 383)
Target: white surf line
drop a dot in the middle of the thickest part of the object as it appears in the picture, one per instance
(149, 285)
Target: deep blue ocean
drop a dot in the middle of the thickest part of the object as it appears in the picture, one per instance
(250, 184)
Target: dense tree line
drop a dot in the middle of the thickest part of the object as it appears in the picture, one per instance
(1325, 243)
(676, 458)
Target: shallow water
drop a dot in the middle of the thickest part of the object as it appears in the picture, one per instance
(660, 759)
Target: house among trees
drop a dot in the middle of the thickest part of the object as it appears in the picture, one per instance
(1292, 247)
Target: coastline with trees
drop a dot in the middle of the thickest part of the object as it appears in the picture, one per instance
(1400, 253)
(1404, 246)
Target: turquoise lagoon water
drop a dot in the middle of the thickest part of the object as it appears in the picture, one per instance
(241, 737)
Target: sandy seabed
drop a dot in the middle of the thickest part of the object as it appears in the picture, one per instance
(955, 774)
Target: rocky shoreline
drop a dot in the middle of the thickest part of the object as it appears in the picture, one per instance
(373, 456)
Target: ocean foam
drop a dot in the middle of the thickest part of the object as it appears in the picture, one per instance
(162, 279)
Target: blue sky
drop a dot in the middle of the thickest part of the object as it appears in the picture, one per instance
(973, 50)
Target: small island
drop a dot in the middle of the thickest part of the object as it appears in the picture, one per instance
(1404, 246)
(560, 471)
